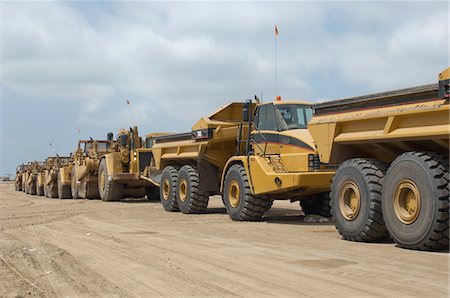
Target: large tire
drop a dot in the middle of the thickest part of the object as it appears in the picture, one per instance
(416, 201)
(39, 190)
(64, 191)
(52, 191)
(108, 190)
(152, 193)
(189, 198)
(168, 189)
(356, 200)
(319, 204)
(239, 201)
(32, 189)
(45, 190)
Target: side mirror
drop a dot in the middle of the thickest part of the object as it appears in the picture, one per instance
(246, 110)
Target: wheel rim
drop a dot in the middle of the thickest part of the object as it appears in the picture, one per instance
(166, 189)
(407, 201)
(183, 190)
(349, 200)
(102, 181)
(234, 194)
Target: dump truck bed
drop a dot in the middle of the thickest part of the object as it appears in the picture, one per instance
(378, 100)
(382, 125)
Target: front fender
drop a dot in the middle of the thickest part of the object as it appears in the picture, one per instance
(113, 163)
(242, 160)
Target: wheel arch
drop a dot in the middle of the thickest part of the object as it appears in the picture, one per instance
(240, 160)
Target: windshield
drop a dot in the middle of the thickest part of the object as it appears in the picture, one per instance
(103, 146)
(295, 116)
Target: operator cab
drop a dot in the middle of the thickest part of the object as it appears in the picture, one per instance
(283, 116)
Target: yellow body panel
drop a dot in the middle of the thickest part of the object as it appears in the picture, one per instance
(386, 131)
(64, 175)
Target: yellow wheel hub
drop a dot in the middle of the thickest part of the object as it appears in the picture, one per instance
(234, 194)
(183, 190)
(102, 181)
(349, 200)
(407, 201)
(166, 189)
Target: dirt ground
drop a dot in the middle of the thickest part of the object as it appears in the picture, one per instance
(51, 247)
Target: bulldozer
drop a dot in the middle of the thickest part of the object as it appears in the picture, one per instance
(123, 173)
(52, 178)
(83, 175)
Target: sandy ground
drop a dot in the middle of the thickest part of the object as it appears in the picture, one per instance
(71, 248)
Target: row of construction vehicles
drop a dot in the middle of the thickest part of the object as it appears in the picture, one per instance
(377, 164)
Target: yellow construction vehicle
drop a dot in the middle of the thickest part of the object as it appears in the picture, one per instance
(122, 173)
(80, 179)
(30, 176)
(19, 174)
(25, 173)
(272, 160)
(52, 176)
(392, 149)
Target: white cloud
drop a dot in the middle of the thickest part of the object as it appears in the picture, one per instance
(180, 61)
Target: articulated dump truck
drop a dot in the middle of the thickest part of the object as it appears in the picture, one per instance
(54, 177)
(274, 159)
(83, 175)
(392, 150)
(124, 173)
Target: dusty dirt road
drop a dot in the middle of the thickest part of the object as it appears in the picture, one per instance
(51, 247)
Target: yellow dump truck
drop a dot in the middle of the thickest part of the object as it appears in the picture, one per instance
(275, 159)
(81, 177)
(123, 173)
(392, 149)
(52, 176)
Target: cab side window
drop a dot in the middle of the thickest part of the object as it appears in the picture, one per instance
(266, 118)
(261, 117)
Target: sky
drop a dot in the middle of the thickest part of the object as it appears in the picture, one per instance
(67, 69)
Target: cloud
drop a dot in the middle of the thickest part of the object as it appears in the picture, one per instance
(177, 62)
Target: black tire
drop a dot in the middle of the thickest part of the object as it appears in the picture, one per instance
(239, 201)
(168, 189)
(64, 191)
(363, 223)
(189, 198)
(152, 193)
(40, 190)
(45, 190)
(73, 184)
(52, 191)
(318, 204)
(32, 189)
(422, 179)
(108, 190)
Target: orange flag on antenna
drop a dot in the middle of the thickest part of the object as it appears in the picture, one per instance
(276, 30)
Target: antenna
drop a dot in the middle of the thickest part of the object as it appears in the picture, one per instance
(276, 65)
